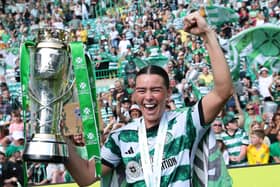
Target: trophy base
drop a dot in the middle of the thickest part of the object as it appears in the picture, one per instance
(46, 148)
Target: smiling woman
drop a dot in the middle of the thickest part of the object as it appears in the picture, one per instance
(156, 149)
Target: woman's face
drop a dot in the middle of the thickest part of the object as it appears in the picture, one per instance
(135, 113)
(16, 118)
(217, 127)
(277, 120)
(104, 96)
(250, 109)
(151, 95)
(78, 139)
(246, 82)
(196, 58)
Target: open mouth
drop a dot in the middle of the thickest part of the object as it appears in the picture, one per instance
(150, 106)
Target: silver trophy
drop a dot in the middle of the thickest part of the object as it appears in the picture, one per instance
(50, 86)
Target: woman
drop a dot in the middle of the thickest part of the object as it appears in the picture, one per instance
(250, 116)
(273, 128)
(152, 91)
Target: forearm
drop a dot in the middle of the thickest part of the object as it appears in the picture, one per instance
(221, 73)
(214, 101)
(83, 171)
(276, 159)
(243, 152)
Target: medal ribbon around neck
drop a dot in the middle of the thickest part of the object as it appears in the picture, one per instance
(152, 172)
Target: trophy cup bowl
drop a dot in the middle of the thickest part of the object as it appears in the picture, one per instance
(49, 86)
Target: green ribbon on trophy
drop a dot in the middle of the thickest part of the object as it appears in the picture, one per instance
(24, 78)
(85, 81)
(24, 75)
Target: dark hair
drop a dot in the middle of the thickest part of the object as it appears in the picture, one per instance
(274, 116)
(157, 70)
(16, 113)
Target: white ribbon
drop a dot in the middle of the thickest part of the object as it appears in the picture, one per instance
(152, 172)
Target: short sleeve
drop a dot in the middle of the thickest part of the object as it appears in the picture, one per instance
(110, 152)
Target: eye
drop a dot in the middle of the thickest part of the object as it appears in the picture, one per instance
(140, 91)
(156, 90)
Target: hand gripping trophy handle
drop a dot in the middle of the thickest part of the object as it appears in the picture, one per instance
(49, 86)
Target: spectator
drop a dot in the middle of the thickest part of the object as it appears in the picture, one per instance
(190, 98)
(114, 37)
(130, 87)
(16, 125)
(74, 23)
(55, 173)
(5, 107)
(119, 92)
(275, 149)
(273, 127)
(15, 104)
(251, 115)
(257, 151)
(130, 69)
(257, 126)
(4, 140)
(236, 141)
(85, 11)
(274, 89)
(123, 44)
(106, 110)
(123, 108)
(264, 81)
(135, 112)
(4, 120)
(13, 167)
(206, 76)
(37, 174)
(2, 162)
(217, 127)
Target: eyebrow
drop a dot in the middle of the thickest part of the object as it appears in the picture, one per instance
(145, 88)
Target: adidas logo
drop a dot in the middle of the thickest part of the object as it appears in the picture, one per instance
(129, 151)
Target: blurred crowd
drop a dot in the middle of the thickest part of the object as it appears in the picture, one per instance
(248, 129)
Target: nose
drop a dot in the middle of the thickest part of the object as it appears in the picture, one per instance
(148, 95)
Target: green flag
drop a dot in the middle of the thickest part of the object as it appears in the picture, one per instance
(159, 60)
(260, 45)
(218, 15)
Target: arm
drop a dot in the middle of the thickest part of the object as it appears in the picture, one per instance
(265, 159)
(240, 111)
(276, 159)
(83, 171)
(242, 153)
(275, 78)
(214, 101)
(270, 87)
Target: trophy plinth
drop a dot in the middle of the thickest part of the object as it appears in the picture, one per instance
(46, 148)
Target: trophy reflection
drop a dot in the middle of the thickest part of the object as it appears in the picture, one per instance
(49, 87)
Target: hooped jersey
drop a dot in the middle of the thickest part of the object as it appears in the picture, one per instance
(122, 147)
